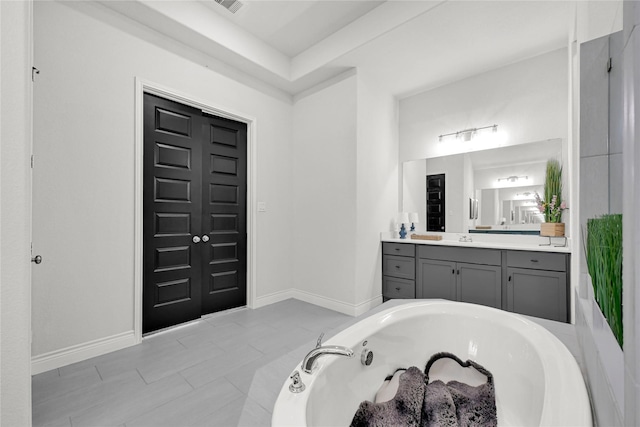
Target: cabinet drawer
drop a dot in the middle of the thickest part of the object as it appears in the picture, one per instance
(401, 249)
(457, 254)
(537, 260)
(398, 288)
(399, 266)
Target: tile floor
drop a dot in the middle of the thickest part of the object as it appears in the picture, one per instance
(205, 373)
(224, 370)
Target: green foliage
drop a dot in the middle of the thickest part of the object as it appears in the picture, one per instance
(552, 205)
(553, 180)
(604, 261)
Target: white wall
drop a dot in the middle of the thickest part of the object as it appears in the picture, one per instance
(15, 213)
(84, 180)
(324, 194)
(598, 18)
(414, 190)
(377, 185)
(344, 191)
(489, 207)
(528, 101)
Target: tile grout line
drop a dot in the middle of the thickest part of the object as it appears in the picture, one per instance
(186, 380)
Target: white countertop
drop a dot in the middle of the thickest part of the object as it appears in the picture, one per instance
(519, 243)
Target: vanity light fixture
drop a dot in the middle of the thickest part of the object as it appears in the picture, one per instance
(468, 134)
(513, 178)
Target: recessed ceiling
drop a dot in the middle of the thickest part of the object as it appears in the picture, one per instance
(403, 46)
(294, 26)
(459, 39)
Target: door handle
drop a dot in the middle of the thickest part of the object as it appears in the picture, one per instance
(205, 238)
(37, 259)
(196, 239)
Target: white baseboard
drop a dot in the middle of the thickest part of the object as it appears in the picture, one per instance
(77, 353)
(365, 306)
(319, 300)
(322, 301)
(273, 298)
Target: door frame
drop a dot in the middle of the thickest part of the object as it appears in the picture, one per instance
(143, 86)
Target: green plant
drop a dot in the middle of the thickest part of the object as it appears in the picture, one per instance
(552, 205)
(604, 261)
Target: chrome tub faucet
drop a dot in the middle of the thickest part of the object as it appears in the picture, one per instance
(320, 350)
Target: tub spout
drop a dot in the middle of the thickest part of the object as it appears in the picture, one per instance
(335, 350)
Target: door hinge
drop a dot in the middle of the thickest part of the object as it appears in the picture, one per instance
(609, 65)
(34, 71)
(32, 161)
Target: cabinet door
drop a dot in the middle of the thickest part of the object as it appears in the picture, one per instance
(436, 279)
(537, 293)
(479, 284)
(398, 288)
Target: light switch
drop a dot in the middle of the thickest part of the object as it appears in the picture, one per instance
(262, 206)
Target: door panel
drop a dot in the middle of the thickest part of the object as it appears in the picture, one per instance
(194, 188)
(172, 213)
(480, 284)
(436, 210)
(225, 189)
(538, 293)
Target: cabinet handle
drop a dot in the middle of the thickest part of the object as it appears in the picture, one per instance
(534, 260)
(509, 278)
(453, 271)
(398, 289)
(397, 266)
(397, 249)
(458, 271)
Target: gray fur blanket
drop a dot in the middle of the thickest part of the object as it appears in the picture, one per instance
(420, 403)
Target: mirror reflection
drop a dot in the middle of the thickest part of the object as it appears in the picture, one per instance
(488, 191)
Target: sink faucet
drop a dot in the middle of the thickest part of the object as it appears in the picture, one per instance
(336, 350)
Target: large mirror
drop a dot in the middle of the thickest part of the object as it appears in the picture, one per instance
(488, 191)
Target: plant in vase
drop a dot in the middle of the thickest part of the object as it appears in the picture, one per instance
(552, 205)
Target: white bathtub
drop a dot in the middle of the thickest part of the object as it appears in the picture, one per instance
(537, 380)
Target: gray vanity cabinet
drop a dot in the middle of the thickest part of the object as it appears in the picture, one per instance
(398, 271)
(460, 274)
(537, 284)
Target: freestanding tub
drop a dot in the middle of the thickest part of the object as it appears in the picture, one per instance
(537, 380)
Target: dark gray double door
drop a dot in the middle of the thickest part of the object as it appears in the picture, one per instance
(194, 213)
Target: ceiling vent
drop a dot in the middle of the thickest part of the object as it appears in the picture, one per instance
(231, 5)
